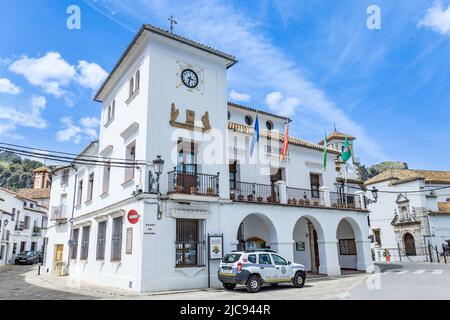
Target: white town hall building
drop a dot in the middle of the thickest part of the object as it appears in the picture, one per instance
(167, 97)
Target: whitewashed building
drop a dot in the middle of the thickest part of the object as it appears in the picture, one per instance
(22, 225)
(412, 211)
(167, 97)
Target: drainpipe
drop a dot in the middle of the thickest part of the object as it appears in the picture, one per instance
(73, 211)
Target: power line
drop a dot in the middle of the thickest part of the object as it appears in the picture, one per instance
(73, 161)
(61, 152)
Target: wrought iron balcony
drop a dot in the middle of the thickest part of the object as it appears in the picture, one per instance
(194, 183)
(58, 213)
(345, 200)
(254, 192)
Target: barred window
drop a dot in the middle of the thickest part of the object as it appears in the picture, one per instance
(101, 240)
(116, 241)
(74, 249)
(190, 244)
(85, 243)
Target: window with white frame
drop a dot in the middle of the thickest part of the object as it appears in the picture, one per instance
(85, 243)
(130, 156)
(90, 190)
(74, 246)
(116, 240)
(101, 240)
(106, 177)
(111, 112)
(65, 177)
(134, 83)
(79, 192)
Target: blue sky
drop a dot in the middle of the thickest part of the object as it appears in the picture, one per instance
(315, 61)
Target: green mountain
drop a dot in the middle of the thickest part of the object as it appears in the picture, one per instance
(372, 171)
(15, 172)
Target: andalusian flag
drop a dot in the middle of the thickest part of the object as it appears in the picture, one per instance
(324, 163)
(346, 153)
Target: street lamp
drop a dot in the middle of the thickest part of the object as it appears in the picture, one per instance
(158, 165)
(374, 195)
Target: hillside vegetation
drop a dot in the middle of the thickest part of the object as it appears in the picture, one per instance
(15, 172)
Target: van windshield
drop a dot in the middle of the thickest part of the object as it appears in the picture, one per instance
(231, 258)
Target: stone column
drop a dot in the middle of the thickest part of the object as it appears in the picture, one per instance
(328, 258)
(364, 256)
(282, 189)
(325, 198)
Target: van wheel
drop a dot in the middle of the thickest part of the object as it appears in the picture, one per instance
(253, 284)
(299, 279)
(229, 286)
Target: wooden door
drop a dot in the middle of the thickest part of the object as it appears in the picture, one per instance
(59, 253)
(410, 245)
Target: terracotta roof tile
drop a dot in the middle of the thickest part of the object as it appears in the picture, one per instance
(280, 137)
(399, 176)
(336, 135)
(34, 194)
(444, 207)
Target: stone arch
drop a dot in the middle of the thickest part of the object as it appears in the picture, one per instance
(306, 234)
(256, 230)
(350, 244)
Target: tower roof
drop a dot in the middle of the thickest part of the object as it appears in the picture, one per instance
(336, 135)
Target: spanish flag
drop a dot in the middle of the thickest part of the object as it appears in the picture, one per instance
(284, 149)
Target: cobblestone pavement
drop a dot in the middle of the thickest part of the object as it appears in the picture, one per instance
(391, 281)
(14, 287)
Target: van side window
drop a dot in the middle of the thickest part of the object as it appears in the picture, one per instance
(264, 259)
(252, 258)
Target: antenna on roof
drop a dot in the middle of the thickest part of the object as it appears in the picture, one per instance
(172, 22)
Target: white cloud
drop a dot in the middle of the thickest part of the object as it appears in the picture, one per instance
(30, 117)
(284, 106)
(239, 96)
(87, 129)
(7, 86)
(437, 18)
(54, 75)
(220, 25)
(91, 75)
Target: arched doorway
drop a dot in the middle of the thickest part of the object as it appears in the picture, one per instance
(347, 249)
(256, 231)
(410, 245)
(306, 234)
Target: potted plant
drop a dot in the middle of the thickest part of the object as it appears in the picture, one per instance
(260, 199)
(334, 205)
(289, 201)
(179, 188)
(250, 197)
(241, 197)
(301, 202)
(316, 203)
(193, 190)
(307, 202)
(210, 191)
(294, 201)
(232, 196)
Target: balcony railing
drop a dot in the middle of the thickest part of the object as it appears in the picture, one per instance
(193, 183)
(307, 197)
(343, 200)
(36, 232)
(254, 192)
(59, 213)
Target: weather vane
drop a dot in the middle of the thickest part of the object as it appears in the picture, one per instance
(172, 22)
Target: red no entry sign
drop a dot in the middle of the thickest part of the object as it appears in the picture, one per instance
(133, 216)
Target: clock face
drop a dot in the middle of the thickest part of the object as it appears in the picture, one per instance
(189, 78)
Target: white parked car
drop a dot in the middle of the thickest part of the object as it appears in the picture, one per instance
(257, 267)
